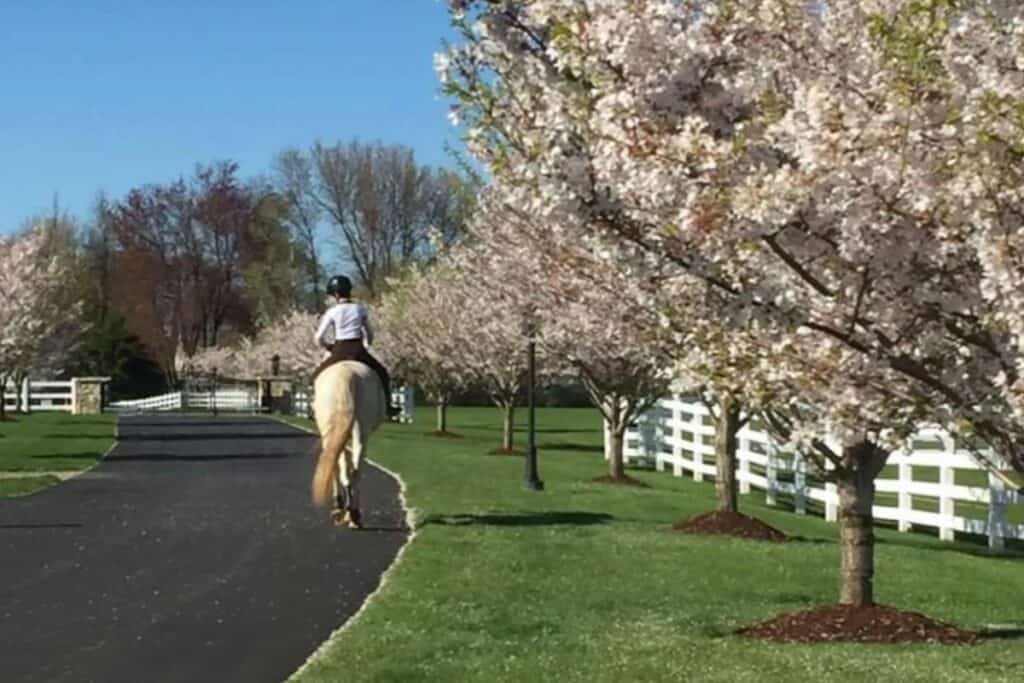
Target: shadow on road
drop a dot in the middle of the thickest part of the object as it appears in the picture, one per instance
(201, 436)
(166, 457)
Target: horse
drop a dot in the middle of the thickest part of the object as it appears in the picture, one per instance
(348, 405)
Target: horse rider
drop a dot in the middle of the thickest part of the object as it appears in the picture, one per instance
(351, 326)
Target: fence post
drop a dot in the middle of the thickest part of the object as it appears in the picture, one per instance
(677, 449)
(743, 455)
(770, 475)
(831, 495)
(947, 509)
(799, 485)
(996, 512)
(904, 499)
(647, 434)
(697, 423)
(408, 403)
(26, 396)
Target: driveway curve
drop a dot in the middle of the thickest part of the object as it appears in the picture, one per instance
(191, 553)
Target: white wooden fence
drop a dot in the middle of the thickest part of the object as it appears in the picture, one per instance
(403, 397)
(32, 395)
(241, 400)
(227, 400)
(933, 484)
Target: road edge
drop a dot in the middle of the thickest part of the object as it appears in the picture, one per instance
(385, 577)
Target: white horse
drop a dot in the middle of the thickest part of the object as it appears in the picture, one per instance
(349, 404)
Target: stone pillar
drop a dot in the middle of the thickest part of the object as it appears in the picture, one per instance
(88, 395)
(276, 394)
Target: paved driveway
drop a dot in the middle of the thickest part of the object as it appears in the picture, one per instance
(191, 553)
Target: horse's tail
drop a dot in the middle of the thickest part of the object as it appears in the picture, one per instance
(336, 434)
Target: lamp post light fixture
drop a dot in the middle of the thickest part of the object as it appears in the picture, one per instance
(530, 476)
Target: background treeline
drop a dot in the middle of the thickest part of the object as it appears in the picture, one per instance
(202, 260)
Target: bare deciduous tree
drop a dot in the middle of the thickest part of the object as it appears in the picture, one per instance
(383, 208)
(295, 181)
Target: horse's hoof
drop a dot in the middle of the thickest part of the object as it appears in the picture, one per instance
(339, 517)
(355, 520)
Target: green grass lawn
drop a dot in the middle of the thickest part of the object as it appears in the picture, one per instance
(50, 442)
(584, 582)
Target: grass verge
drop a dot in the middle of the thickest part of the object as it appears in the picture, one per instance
(45, 443)
(584, 582)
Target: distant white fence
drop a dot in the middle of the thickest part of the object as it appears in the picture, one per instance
(241, 400)
(403, 397)
(227, 400)
(951, 492)
(31, 395)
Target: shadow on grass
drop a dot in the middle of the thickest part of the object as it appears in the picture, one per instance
(78, 422)
(522, 519)
(963, 547)
(1011, 633)
(68, 456)
(817, 540)
(578, 447)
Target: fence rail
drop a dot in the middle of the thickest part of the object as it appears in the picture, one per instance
(242, 400)
(403, 397)
(228, 400)
(932, 484)
(31, 395)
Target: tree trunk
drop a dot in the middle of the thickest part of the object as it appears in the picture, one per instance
(616, 463)
(616, 418)
(442, 417)
(509, 425)
(855, 481)
(725, 454)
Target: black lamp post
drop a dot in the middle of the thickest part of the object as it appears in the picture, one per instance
(213, 397)
(530, 476)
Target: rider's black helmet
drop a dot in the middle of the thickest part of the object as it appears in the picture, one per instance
(339, 285)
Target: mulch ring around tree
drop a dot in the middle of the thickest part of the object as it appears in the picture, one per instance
(730, 524)
(624, 480)
(865, 624)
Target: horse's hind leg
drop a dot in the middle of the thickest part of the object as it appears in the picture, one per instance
(342, 492)
(346, 512)
(354, 471)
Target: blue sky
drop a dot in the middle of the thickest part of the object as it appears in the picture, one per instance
(105, 95)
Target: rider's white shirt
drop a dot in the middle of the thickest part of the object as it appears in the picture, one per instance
(347, 320)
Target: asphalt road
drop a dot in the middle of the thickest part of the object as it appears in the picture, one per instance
(191, 553)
